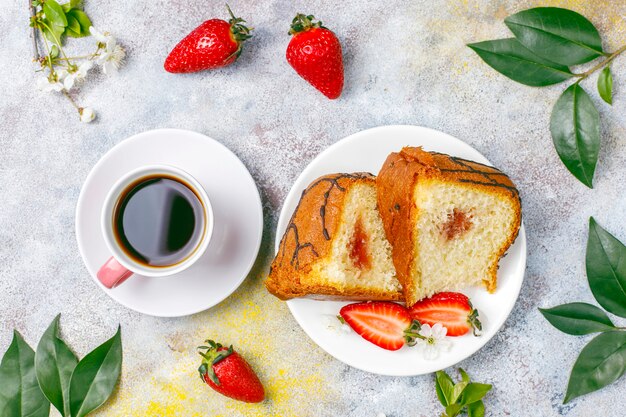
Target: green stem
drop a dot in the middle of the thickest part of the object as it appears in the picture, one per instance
(49, 52)
(58, 42)
(602, 64)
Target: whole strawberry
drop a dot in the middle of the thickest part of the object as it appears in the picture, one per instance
(229, 374)
(315, 53)
(214, 44)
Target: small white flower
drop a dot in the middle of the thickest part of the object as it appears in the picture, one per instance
(113, 55)
(100, 37)
(434, 340)
(86, 114)
(78, 75)
(44, 84)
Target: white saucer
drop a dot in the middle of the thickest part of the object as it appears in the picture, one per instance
(236, 236)
(366, 151)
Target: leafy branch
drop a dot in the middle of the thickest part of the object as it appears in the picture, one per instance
(548, 40)
(54, 23)
(603, 360)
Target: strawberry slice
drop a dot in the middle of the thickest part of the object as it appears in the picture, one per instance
(385, 324)
(452, 309)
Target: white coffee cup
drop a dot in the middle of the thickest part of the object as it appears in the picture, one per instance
(121, 266)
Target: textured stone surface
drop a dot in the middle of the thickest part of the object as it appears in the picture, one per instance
(405, 63)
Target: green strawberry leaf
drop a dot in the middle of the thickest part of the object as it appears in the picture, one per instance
(578, 318)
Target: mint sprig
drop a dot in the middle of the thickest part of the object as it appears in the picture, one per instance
(603, 360)
(464, 395)
(548, 41)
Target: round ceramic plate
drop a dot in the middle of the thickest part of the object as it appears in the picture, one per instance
(366, 151)
(236, 235)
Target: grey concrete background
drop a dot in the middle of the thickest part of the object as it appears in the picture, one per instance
(406, 63)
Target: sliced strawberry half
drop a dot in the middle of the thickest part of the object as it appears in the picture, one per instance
(452, 309)
(385, 324)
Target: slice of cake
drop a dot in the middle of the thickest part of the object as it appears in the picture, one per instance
(449, 220)
(335, 246)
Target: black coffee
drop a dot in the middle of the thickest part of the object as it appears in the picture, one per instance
(159, 221)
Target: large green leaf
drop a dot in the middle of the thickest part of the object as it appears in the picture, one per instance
(599, 364)
(54, 363)
(605, 85)
(510, 58)
(560, 35)
(575, 129)
(95, 376)
(20, 395)
(578, 318)
(54, 13)
(606, 269)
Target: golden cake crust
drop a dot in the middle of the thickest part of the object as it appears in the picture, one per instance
(396, 182)
(308, 239)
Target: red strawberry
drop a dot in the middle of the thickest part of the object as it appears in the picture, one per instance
(315, 53)
(229, 374)
(452, 309)
(385, 324)
(214, 44)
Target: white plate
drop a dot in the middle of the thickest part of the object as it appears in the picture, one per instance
(366, 151)
(236, 236)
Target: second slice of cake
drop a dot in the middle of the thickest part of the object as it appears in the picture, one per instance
(335, 246)
(449, 220)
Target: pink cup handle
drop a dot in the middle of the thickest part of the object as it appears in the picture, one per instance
(112, 273)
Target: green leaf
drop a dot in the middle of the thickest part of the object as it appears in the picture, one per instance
(73, 27)
(54, 13)
(606, 269)
(605, 85)
(575, 129)
(444, 387)
(474, 392)
(53, 33)
(95, 377)
(73, 4)
(510, 58)
(82, 23)
(560, 35)
(20, 395)
(578, 318)
(54, 364)
(599, 364)
(476, 409)
(458, 390)
(453, 410)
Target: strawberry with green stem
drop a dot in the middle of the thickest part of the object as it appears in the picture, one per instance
(215, 43)
(315, 53)
(228, 373)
